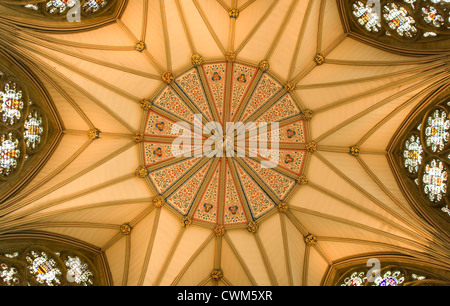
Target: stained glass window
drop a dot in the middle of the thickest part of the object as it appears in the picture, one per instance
(59, 6)
(403, 21)
(446, 209)
(78, 271)
(33, 129)
(425, 156)
(435, 180)
(44, 268)
(8, 274)
(390, 278)
(93, 6)
(23, 126)
(432, 16)
(48, 263)
(62, 7)
(398, 19)
(386, 275)
(367, 17)
(413, 153)
(9, 154)
(11, 103)
(437, 130)
(355, 279)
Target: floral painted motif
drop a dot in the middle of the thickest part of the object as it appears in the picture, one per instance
(290, 133)
(169, 101)
(159, 125)
(190, 83)
(258, 201)
(234, 211)
(197, 194)
(184, 196)
(207, 208)
(291, 160)
(280, 110)
(165, 177)
(242, 78)
(159, 152)
(277, 182)
(215, 77)
(267, 88)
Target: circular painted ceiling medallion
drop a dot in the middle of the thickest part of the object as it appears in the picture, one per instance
(224, 143)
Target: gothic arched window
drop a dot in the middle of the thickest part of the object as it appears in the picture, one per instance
(28, 125)
(385, 270)
(400, 25)
(420, 154)
(63, 15)
(37, 262)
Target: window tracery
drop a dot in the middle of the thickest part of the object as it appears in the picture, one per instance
(390, 275)
(78, 271)
(401, 22)
(425, 154)
(44, 268)
(22, 127)
(60, 7)
(61, 15)
(8, 274)
(44, 263)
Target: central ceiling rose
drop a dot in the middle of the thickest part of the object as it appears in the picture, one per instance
(224, 143)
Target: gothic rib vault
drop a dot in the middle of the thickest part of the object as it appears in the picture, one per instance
(119, 88)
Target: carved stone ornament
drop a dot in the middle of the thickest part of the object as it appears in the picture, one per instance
(283, 207)
(219, 230)
(125, 229)
(311, 147)
(230, 56)
(252, 227)
(141, 172)
(311, 240)
(196, 59)
(138, 137)
(319, 59)
(216, 274)
(234, 13)
(159, 201)
(94, 134)
(264, 65)
(308, 114)
(303, 180)
(139, 46)
(145, 104)
(289, 86)
(355, 150)
(186, 221)
(168, 77)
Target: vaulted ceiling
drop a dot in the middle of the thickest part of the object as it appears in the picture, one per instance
(352, 204)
